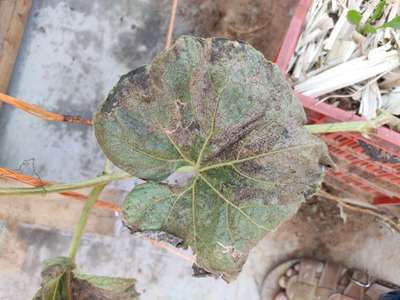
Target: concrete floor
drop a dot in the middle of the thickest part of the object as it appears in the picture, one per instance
(72, 54)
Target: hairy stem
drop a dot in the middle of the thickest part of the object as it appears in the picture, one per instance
(57, 188)
(94, 195)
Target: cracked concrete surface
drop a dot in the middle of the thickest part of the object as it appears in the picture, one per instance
(161, 275)
(72, 54)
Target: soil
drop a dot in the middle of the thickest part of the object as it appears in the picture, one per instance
(320, 230)
(345, 103)
(262, 23)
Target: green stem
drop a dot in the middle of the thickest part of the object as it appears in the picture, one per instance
(358, 126)
(58, 188)
(107, 166)
(364, 127)
(94, 195)
(68, 287)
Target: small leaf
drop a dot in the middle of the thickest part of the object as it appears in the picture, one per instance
(53, 279)
(91, 287)
(354, 17)
(394, 23)
(56, 286)
(378, 12)
(219, 107)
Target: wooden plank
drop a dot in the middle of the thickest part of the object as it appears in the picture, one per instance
(13, 18)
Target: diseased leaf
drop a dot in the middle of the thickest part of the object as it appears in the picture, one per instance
(354, 17)
(219, 231)
(60, 279)
(89, 287)
(218, 109)
(54, 284)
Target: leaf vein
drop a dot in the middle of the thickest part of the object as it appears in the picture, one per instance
(238, 161)
(215, 190)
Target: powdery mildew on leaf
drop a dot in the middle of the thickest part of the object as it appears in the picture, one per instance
(220, 108)
(56, 286)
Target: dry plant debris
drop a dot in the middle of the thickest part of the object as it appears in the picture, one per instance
(350, 55)
(42, 113)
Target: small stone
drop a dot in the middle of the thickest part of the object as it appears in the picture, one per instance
(281, 296)
(283, 282)
(297, 267)
(290, 272)
(320, 267)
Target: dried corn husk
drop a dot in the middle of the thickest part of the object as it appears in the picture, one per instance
(332, 58)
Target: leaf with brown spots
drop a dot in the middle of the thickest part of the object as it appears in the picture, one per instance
(62, 281)
(219, 109)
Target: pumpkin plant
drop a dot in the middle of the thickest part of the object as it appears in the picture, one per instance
(61, 279)
(217, 110)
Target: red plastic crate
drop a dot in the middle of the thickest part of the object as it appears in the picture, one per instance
(368, 168)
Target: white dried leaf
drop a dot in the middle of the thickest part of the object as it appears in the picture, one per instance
(391, 102)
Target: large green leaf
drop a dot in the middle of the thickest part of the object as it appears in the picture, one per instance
(60, 278)
(218, 108)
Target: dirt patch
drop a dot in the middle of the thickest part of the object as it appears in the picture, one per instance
(320, 230)
(262, 23)
(330, 227)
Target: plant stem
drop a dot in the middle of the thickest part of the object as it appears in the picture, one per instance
(171, 24)
(94, 195)
(364, 127)
(57, 188)
(358, 126)
(68, 287)
(107, 166)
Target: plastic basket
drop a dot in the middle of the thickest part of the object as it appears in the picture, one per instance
(369, 169)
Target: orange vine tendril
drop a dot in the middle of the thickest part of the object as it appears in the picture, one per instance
(41, 113)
